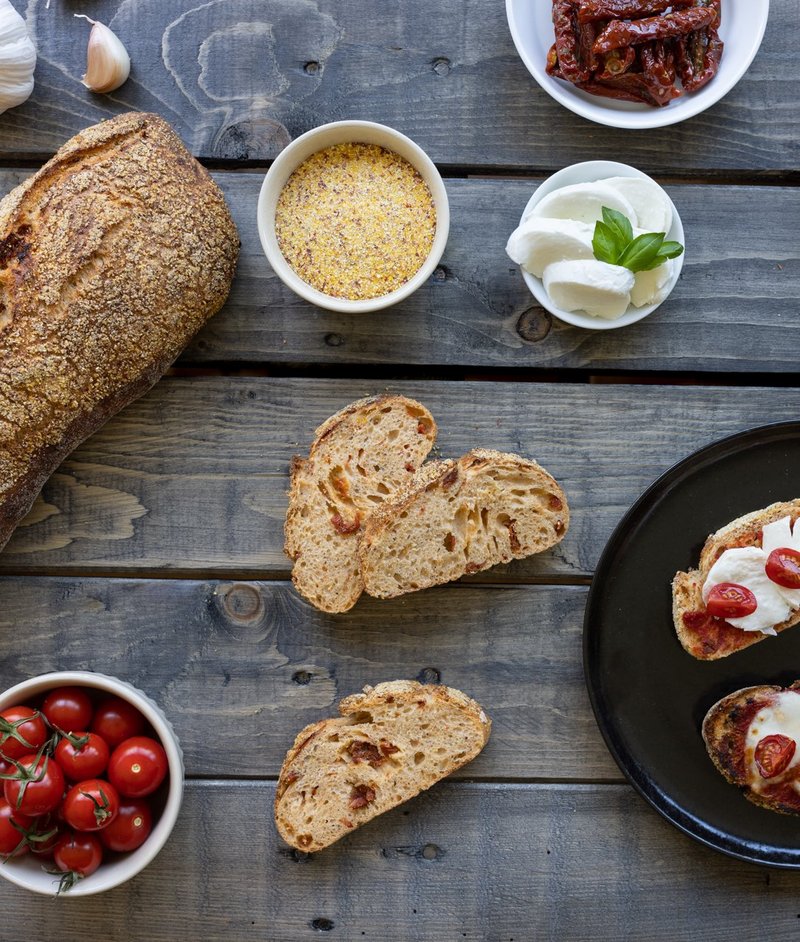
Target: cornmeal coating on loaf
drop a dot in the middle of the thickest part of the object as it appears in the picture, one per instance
(391, 742)
(111, 257)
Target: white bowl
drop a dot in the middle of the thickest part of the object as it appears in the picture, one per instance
(588, 172)
(27, 871)
(346, 132)
(742, 29)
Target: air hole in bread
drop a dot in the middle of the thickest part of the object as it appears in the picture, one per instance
(418, 757)
(333, 738)
(382, 488)
(403, 515)
(393, 434)
(363, 716)
(484, 517)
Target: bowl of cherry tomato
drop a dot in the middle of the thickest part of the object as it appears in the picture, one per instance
(91, 782)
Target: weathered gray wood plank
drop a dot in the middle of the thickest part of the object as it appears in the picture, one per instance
(734, 308)
(255, 663)
(476, 862)
(193, 477)
(239, 78)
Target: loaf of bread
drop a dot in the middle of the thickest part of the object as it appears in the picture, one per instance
(111, 257)
(359, 458)
(458, 517)
(390, 743)
(703, 636)
(751, 736)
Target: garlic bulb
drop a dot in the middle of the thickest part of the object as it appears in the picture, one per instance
(17, 58)
(108, 64)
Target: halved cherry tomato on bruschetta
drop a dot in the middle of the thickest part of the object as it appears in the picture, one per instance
(783, 567)
(773, 754)
(729, 600)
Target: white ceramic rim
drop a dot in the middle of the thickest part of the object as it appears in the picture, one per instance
(634, 117)
(136, 860)
(299, 150)
(587, 172)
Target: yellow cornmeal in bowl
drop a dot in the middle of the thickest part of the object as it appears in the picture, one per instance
(355, 221)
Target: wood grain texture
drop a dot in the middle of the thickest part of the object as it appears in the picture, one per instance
(476, 862)
(193, 476)
(733, 308)
(256, 663)
(240, 78)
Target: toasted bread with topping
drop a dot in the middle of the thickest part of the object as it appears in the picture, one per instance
(702, 635)
(458, 517)
(760, 711)
(390, 743)
(359, 458)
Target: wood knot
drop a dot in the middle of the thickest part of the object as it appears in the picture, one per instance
(322, 924)
(534, 324)
(430, 852)
(312, 68)
(429, 675)
(252, 139)
(441, 66)
(334, 340)
(242, 603)
(440, 274)
(302, 678)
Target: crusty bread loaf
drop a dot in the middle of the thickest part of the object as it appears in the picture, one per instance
(459, 517)
(111, 257)
(360, 456)
(725, 730)
(703, 636)
(391, 742)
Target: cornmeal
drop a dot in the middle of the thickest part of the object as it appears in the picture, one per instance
(355, 221)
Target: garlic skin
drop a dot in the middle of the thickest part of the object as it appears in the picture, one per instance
(108, 64)
(17, 58)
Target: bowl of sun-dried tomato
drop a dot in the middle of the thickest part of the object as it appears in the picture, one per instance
(637, 63)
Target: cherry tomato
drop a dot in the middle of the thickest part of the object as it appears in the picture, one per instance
(138, 766)
(783, 567)
(68, 708)
(116, 720)
(86, 760)
(22, 731)
(39, 788)
(728, 600)
(131, 827)
(91, 805)
(43, 835)
(773, 754)
(77, 854)
(12, 839)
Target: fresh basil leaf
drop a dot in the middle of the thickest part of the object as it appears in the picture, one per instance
(671, 249)
(656, 262)
(605, 244)
(618, 224)
(642, 251)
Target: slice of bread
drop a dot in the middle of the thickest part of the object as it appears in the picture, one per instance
(702, 635)
(725, 730)
(359, 458)
(460, 517)
(391, 742)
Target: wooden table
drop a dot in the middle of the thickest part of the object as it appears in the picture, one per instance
(155, 553)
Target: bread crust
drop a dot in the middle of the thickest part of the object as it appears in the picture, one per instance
(314, 765)
(714, 638)
(724, 734)
(112, 256)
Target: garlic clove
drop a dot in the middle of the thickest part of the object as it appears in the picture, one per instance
(108, 64)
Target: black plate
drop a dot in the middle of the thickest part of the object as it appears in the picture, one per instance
(648, 694)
